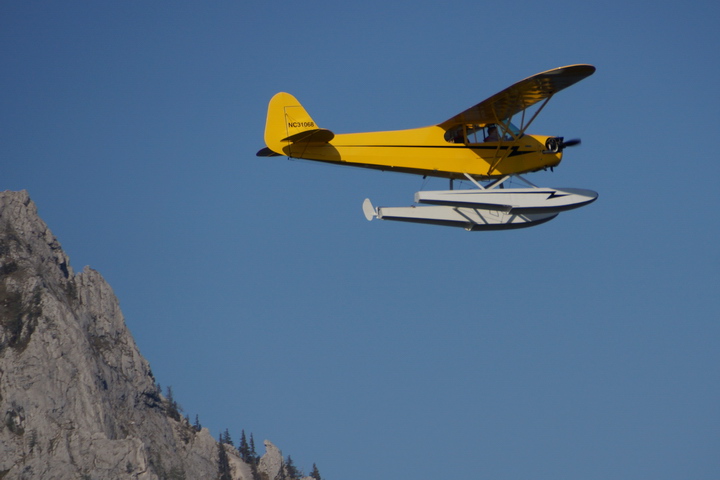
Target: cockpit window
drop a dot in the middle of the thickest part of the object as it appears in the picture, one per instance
(505, 131)
(455, 135)
(472, 133)
(476, 134)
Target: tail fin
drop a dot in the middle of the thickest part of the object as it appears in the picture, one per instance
(288, 122)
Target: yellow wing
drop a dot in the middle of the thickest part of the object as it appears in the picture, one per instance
(520, 96)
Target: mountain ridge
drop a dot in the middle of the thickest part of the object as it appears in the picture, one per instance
(77, 398)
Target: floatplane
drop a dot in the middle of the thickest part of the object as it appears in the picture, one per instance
(481, 145)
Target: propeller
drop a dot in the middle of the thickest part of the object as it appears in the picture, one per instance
(570, 143)
(558, 144)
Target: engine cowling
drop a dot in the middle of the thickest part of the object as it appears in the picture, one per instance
(553, 144)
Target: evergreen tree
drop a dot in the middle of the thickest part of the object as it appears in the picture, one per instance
(224, 472)
(253, 453)
(197, 425)
(292, 472)
(227, 439)
(173, 408)
(315, 473)
(244, 448)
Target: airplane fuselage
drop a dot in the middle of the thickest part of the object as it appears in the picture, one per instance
(425, 151)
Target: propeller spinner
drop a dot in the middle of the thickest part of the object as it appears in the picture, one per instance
(558, 144)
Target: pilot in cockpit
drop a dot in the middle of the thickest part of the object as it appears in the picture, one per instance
(492, 134)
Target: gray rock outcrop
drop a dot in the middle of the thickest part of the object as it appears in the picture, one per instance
(77, 400)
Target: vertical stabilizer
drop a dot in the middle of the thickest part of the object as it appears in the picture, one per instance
(285, 118)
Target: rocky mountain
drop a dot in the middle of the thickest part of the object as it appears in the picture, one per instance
(77, 399)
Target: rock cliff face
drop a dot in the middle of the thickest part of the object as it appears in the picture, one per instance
(77, 400)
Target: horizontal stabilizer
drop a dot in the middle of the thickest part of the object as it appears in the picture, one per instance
(318, 135)
(266, 152)
(369, 210)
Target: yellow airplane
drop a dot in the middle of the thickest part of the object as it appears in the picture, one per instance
(481, 142)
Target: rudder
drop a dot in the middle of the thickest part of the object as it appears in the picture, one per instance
(286, 118)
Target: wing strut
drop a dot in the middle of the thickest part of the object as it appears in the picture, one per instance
(524, 127)
(505, 124)
(475, 182)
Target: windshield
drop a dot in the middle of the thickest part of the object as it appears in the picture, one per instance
(514, 129)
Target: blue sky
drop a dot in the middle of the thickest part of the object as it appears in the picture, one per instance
(582, 348)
